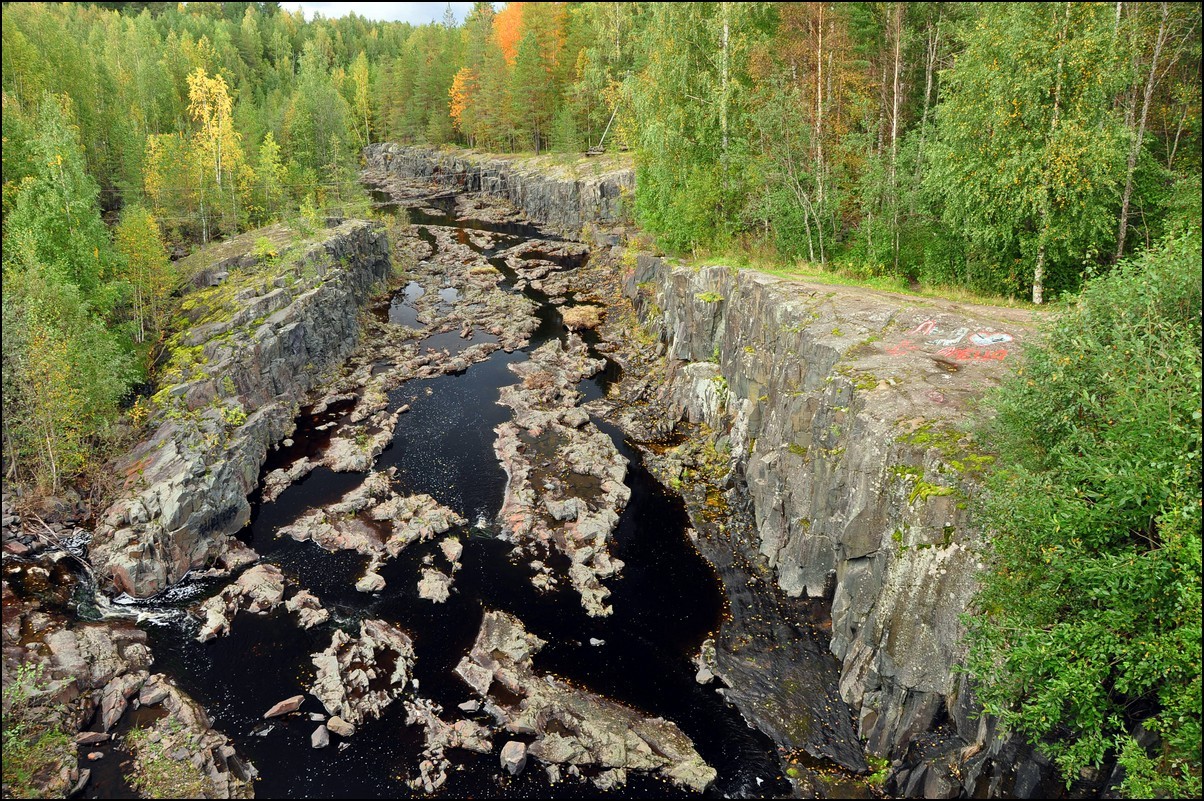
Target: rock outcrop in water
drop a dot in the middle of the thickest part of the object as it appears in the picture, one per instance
(84, 678)
(263, 331)
(374, 520)
(568, 197)
(565, 490)
(571, 726)
(439, 736)
(358, 677)
(259, 590)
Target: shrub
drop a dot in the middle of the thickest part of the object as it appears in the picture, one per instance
(1090, 608)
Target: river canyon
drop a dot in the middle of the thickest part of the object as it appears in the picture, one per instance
(549, 516)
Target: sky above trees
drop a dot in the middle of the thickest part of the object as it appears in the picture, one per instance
(413, 13)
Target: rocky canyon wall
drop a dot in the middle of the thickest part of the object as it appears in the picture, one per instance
(848, 412)
(564, 196)
(262, 329)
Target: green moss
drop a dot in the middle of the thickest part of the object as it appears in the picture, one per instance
(906, 472)
(709, 297)
(922, 491)
(955, 448)
(798, 450)
(879, 770)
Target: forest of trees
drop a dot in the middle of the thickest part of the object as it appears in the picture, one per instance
(1020, 150)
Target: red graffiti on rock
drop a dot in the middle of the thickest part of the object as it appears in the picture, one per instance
(973, 354)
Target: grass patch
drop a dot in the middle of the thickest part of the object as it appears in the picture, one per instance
(157, 774)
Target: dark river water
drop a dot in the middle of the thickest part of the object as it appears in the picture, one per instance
(666, 601)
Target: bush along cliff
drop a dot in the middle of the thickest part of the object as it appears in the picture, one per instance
(1086, 633)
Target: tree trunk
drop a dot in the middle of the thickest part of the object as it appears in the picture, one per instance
(1135, 145)
(931, 49)
(1039, 270)
(819, 134)
(894, 135)
(723, 77)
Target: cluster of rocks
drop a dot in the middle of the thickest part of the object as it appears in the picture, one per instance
(545, 265)
(571, 726)
(435, 585)
(439, 736)
(565, 490)
(358, 677)
(82, 678)
(258, 590)
(452, 291)
(374, 520)
(183, 733)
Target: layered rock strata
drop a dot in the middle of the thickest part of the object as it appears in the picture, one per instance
(565, 490)
(264, 328)
(844, 415)
(571, 726)
(566, 197)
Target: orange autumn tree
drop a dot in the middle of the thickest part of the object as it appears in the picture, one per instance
(463, 94)
(508, 28)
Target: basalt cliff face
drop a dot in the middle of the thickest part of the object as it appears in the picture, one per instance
(263, 330)
(564, 197)
(847, 414)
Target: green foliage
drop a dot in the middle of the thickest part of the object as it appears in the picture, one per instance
(1089, 621)
(149, 274)
(234, 415)
(54, 223)
(35, 746)
(1028, 155)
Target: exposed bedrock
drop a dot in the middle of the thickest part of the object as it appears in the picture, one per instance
(843, 414)
(565, 487)
(357, 677)
(571, 726)
(565, 197)
(262, 333)
(87, 678)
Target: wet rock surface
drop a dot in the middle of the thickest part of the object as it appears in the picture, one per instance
(565, 490)
(438, 737)
(570, 726)
(88, 680)
(375, 521)
(258, 590)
